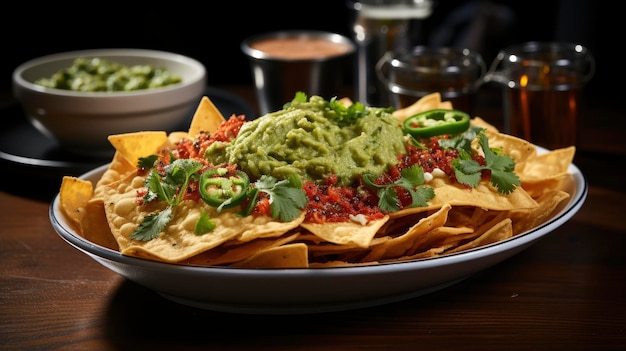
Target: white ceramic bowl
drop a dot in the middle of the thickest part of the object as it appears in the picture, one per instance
(312, 290)
(81, 121)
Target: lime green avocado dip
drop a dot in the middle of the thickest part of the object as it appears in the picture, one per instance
(302, 139)
(99, 74)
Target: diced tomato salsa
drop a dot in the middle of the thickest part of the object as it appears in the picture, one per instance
(327, 201)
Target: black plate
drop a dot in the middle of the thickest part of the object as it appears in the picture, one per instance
(28, 156)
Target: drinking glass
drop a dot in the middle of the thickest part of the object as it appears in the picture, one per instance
(542, 89)
(453, 72)
(380, 26)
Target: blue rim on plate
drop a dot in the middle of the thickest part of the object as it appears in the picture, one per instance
(312, 290)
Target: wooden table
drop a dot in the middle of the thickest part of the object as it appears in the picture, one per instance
(566, 292)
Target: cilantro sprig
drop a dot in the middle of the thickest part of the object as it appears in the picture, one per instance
(170, 188)
(286, 196)
(462, 141)
(335, 110)
(410, 180)
(345, 115)
(469, 172)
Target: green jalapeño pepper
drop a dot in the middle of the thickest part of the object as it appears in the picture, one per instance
(431, 123)
(222, 188)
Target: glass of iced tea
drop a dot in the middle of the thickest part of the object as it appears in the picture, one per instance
(455, 73)
(542, 83)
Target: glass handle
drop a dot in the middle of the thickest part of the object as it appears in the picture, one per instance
(493, 74)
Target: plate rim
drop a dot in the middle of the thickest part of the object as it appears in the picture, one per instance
(408, 279)
(576, 201)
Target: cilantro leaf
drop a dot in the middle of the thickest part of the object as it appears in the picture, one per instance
(286, 199)
(204, 224)
(155, 190)
(152, 225)
(411, 177)
(421, 196)
(300, 97)
(147, 162)
(335, 110)
(468, 171)
(410, 180)
(177, 176)
(388, 200)
(345, 115)
(170, 188)
(462, 141)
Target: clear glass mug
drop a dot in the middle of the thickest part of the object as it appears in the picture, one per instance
(453, 72)
(379, 26)
(542, 85)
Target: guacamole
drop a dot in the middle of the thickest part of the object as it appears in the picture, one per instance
(301, 139)
(98, 74)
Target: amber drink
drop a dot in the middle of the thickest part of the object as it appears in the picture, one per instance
(542, 85)
(544, 109)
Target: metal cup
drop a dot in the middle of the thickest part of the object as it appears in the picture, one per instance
(289, 61)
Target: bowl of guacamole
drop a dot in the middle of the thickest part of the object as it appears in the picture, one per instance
(79, 98)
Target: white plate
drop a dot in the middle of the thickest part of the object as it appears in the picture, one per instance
(312, 290)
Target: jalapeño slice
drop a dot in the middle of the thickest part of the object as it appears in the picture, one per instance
(435, 122)
(222, 188)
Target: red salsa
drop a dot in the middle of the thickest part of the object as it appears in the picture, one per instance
(328, 202)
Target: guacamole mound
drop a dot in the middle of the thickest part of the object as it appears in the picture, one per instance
(300, 139)
(99, 74)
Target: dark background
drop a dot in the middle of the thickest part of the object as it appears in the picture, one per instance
(212, 31)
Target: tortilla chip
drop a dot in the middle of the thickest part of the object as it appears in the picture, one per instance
(119, 167)
(547, 171)
(432, 252)
(207, 118)
(400, 245)
(338, 263)
(348, 253)
(443, 237)
(175, 137)
(179, 242)
(346, 232)
(548, 202)
(138, 144)
(502, 230)
(479, 122)
(235, 250)
(483, 196)
(519, 149)
(96, 227)
(547, 165)
(285, 256)
(74, 195)
(473, 216)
